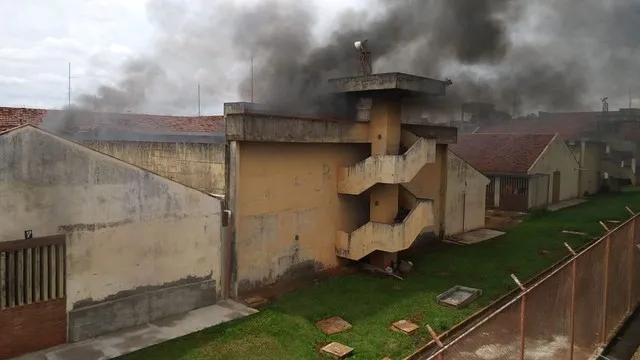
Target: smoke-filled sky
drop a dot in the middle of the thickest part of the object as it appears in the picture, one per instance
(539, 55)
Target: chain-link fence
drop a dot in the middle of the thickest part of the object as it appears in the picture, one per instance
(569, 313)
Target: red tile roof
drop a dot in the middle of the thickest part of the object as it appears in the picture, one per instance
(11, 117)
(501, 153)
(571, 126)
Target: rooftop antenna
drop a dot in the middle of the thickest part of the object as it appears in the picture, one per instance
(605, 104)
(365, 57)
(69, 86)
(629, 98)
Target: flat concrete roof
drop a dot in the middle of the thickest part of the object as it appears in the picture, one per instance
(390, 82)
(272, 128)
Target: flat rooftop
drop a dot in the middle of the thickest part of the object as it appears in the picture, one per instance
(390, 82)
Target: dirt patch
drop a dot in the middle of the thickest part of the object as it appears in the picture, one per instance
(417, 316)
(271, 292)
(318, 345)
(502, 220)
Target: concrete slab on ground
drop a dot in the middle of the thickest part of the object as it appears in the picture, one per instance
(476, 236)
(405, 326)
(337, 350)
(565, 204)
(129, 340)
(333, 325)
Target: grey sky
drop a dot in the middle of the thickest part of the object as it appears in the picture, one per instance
(41, 37)
(150, 55)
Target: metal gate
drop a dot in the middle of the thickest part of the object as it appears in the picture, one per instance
(32, 295)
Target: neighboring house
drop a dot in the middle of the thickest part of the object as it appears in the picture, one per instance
(605, 159)
(90, 244)
(466, 196)
(189, 150)
(526, 171)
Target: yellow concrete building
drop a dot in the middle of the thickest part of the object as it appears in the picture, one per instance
(307, 194)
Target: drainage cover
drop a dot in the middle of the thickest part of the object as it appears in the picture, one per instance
(458, 296)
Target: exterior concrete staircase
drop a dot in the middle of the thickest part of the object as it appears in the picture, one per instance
(387, 169)
(386, 237)
(614, 169)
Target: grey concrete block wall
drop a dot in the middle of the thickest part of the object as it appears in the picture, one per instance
(95, 320)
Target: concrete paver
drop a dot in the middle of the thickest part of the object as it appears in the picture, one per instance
(565, 204)
(129, 340)
(477, 236)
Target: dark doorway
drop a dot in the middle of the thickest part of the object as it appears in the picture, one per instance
(555, 197)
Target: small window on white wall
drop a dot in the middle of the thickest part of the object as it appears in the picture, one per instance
(607, 149)
(606, 175)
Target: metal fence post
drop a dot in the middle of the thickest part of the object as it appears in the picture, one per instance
(523, 313)
(605, 297)
(632, 238)
(572, 311)
(436, 338)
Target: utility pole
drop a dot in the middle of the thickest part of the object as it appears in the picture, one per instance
(251, 79)
(199, 113)
(69, 86)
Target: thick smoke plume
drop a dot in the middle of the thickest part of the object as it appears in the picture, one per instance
(522, 55)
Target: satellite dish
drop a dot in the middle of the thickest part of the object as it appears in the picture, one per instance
(360, 45)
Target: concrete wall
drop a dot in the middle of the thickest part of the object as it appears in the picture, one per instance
(539, 192)
(558, 157)
(466, 196)
(431, 183)
(198, 165)
(287, 208)
(139, 246)
(588, 155)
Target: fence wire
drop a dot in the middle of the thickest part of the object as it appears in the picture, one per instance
(588, 310)
(618, 284)
(547, 320)
(498, 338)
(566, 315)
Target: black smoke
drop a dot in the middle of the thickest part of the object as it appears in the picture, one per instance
(530, 55)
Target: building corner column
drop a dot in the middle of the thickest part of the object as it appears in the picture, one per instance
(384, 134)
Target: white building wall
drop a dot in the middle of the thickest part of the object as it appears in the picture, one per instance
(558, 157)
(466, 196)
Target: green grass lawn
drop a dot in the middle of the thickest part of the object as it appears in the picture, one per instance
(285, 329)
